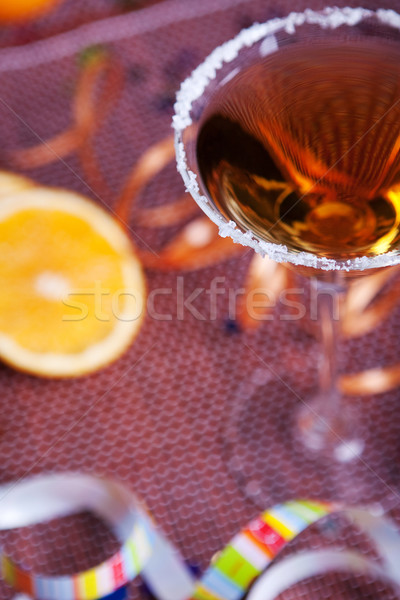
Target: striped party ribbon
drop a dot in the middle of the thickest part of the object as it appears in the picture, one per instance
(144, 550)
(246, 565)
(255, 547)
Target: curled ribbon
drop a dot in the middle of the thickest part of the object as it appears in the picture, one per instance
(143, 547)
(250, 555)
(247, 562)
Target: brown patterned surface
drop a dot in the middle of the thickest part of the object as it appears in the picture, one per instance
(162, 418)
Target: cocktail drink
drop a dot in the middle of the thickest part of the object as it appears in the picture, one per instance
(288, 137)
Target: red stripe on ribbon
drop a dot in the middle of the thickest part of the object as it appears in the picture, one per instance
(264, 533)
(118, 570)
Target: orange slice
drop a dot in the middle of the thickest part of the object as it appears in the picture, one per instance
(72, 290)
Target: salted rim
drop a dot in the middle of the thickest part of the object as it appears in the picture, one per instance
(193, 87)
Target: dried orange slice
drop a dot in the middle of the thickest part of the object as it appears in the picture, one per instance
(72, 290)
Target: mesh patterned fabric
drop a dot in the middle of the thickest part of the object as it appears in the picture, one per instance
(193, 400)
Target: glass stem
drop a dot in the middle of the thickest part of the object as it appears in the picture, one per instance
(329, 298)
(323, 421)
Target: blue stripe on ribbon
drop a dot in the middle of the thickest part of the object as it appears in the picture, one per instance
(218, 582)
(289, 518)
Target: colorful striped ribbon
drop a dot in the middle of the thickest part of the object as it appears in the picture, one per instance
(145, 551)
(254, 548)
(94, 583)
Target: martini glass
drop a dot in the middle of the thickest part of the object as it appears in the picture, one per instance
(287, 137)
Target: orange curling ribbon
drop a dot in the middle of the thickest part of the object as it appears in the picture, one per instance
(99, 84)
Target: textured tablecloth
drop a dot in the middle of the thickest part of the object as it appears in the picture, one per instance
(160, 418)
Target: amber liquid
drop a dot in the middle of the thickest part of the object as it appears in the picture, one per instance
(303, 147)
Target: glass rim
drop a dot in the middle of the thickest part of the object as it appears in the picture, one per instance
(194, 86)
